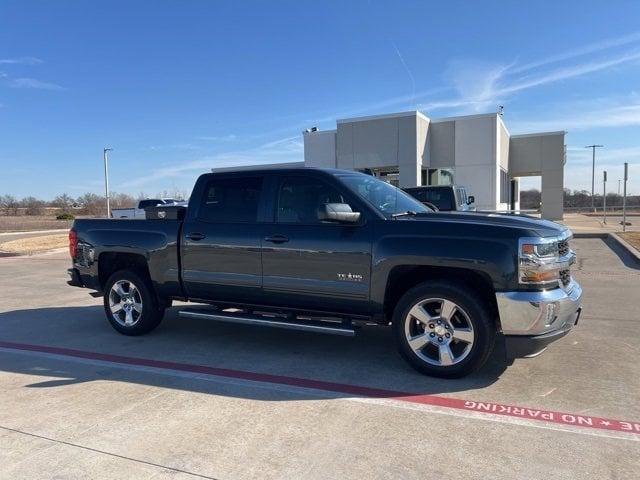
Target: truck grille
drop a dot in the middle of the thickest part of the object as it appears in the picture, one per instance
(565, 277)
(563, 247)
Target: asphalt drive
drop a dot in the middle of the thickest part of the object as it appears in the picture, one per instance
(198, 399)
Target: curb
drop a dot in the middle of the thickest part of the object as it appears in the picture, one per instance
(29, 255)
(29, 232)
(633, 252)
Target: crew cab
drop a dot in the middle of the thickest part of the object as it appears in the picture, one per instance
(327, 251)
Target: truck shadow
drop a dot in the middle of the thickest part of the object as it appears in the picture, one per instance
(369, 360)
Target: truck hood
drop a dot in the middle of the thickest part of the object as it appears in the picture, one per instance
(543, 228)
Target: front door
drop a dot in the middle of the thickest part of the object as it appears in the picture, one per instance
(221, 257)
(313, 264)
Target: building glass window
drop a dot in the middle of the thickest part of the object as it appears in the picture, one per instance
(440, 176)
(505, 187)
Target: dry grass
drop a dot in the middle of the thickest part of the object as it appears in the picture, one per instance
(27, 246)
(632, 238)
(27, 223)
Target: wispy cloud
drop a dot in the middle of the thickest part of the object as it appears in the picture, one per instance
(174, 146)
(406, 67)
(33, 83)
(578, 52)
(222, 138)
(20, 61)
(580, 119)
(288, 149)
(481, 85)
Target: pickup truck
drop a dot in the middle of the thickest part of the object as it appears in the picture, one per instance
(328, 251)
(139, 212)
(443, 198)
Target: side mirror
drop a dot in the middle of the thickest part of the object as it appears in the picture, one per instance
(338, 212)
(470, 199)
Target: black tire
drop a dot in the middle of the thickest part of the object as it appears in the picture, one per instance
(470, 309)
(146, 317)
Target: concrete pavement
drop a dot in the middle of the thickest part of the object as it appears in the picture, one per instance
(76, 417)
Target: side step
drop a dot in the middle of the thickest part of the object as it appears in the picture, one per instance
(289, 323)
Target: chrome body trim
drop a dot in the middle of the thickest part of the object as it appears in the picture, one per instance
(539, 312)
(248, 319)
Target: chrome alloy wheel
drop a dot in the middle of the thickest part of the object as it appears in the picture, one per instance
(439, 332)
(125, 303)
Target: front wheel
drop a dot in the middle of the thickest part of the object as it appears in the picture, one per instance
(130, 304)
(443, 330)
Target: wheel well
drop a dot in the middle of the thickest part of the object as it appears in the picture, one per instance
(111, 262)
(404, 277)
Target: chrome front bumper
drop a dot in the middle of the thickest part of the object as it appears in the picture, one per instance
(532, 320)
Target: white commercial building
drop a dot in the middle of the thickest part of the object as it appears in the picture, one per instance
(410, 149)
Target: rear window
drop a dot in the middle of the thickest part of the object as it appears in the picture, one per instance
(149, 203)
(231, 200)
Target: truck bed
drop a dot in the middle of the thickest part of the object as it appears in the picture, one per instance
(156, 241)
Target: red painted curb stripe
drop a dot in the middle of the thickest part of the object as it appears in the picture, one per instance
(548, 416)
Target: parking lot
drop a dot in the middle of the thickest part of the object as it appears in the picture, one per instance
(208, 400)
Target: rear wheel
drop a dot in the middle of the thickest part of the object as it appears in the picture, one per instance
(443, 330)
(130, 304)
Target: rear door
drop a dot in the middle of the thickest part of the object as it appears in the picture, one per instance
(221, 257)
(313, 264)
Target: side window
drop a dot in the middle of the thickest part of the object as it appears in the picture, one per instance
(300, 198)
(231, 200)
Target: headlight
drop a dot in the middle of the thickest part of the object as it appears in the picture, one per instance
(539, 262)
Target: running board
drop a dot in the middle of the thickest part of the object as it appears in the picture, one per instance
(331, 328)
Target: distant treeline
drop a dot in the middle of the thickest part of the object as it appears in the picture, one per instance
(530, 199)
(87, 204)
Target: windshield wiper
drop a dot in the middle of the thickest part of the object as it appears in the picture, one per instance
(409, 213)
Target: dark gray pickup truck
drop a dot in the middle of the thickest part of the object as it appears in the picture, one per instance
(327, 251)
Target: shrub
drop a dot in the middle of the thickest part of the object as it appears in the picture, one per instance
(65, 216)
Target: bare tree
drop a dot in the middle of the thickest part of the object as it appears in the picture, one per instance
(9, 205)
(32, 206)
(63, 202)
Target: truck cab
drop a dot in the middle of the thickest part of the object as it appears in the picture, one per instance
(326, 251)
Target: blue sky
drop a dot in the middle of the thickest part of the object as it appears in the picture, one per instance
(178, 87)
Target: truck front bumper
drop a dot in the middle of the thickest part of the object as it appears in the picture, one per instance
(532, 320)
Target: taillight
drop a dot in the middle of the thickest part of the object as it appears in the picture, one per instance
(73, 243)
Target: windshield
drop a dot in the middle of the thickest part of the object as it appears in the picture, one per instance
(386, 198)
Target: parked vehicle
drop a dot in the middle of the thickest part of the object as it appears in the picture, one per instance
(138, 212)
(328, 250)
(443, 197)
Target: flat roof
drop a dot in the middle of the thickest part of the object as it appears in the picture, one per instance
(381, 117)
(464, 117)
(266, 166)
(285, 167)
(540, 134)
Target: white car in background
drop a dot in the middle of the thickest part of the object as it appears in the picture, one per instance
(138, 212)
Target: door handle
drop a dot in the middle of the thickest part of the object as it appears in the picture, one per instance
(196, 236)
(276, 239)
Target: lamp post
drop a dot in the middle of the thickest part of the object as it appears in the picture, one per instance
(604, 196)
(106, 177)
(593, 173)
(624, 197)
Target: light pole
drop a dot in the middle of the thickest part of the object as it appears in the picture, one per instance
(604, 196)
(593, 173)
(106, 177)
(624, 198)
